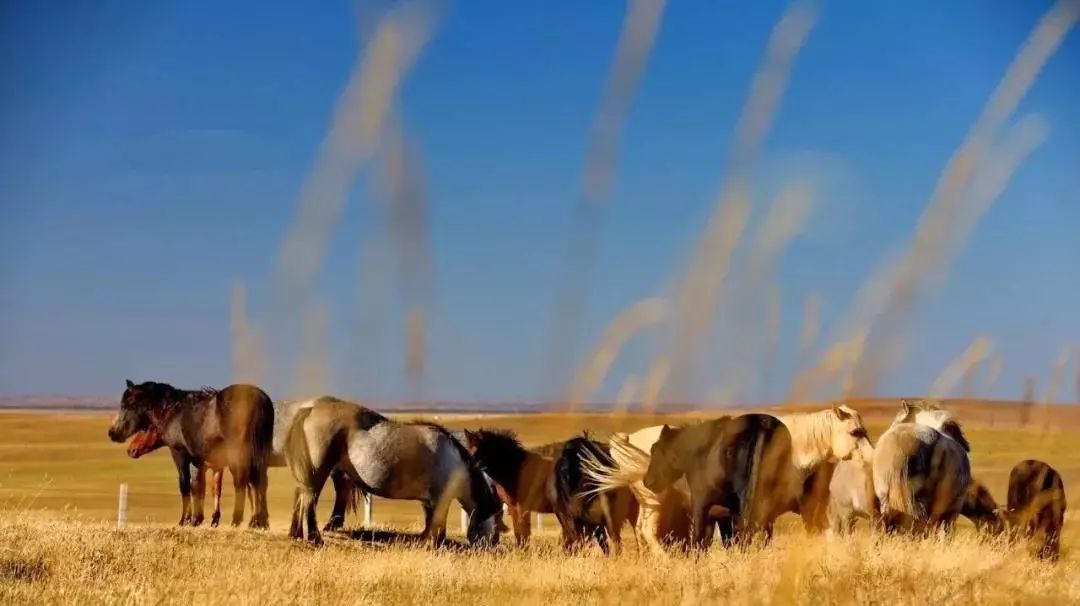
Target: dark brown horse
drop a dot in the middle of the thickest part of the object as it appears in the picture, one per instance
(231, 428)
(1037, 504)
(582, 511)
(522, 477)
(739, 470)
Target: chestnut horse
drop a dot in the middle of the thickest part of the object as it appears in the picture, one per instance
(230, 428)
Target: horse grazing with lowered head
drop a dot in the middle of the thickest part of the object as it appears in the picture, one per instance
(581, 510)
(149, 440)
(1036, 505)
(663, 516)
(522, 476)
(231, 428)
(852, 486)
(920, 473)
(416, 461)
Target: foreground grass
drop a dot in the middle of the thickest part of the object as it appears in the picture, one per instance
(47, 559)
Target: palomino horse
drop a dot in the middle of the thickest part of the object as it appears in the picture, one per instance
(581, 511)
(149, 440)
(745, 471)
(231, 428)
(920, 474)
(522, 476)
(664, 516)
(415, 461)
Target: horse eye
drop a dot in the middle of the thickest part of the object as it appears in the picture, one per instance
(858, 433)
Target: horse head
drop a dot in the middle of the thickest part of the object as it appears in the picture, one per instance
(144, 442)
(664, 461)
(135, 407)
(848, 436)
(485, 519)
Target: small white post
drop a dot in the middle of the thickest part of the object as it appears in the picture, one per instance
(464, 521)
(539, 522)
(369, 507)
(121, 510)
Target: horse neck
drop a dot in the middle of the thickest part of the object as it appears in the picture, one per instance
(811, 437)
(506, 468)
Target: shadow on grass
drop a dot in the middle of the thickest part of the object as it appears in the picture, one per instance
(397, 538)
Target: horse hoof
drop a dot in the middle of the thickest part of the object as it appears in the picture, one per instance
(214, 521)
(197, 520)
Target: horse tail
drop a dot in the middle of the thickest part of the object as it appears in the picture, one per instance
(603, 477)
(748, 506)
(263, 440)
(898, 498)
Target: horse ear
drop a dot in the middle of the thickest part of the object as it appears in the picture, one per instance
(839, 412)
(905, 405)
(130, 384)
(470, 438)
(665, 431)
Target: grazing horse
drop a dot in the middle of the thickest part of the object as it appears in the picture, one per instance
(920, 475)
(663, 516)
(149, 440)
(415, 461)
(981, 508)
(852, 485)
(231, 428)
(581, 511)
(522, 476)
(1036, 504)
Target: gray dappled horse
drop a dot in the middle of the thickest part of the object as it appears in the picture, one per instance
(415, 461)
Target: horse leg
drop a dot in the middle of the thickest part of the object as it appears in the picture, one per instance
(296, 528)
(569, 534)
(435, 521)
(198, 490)
(183, 471)
(342, 495)
(240, 486)
(701, 532)
(649, 529)
(260, 518)
(522, 524)
(219, 475)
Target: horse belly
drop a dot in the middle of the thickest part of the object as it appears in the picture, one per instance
(382, 472)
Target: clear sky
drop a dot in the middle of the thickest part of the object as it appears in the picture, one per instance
(151, 153)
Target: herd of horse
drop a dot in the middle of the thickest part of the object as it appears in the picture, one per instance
(676, 486)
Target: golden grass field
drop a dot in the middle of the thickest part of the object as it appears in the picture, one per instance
(59, 477)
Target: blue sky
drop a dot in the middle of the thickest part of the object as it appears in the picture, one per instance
(152, 153)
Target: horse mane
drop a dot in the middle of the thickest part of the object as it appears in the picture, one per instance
(505, 440)
(945, 422)
(811, 433)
